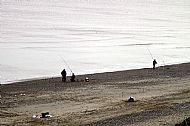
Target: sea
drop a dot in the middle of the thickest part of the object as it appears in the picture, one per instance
(40, 38)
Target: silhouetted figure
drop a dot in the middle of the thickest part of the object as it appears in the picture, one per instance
(73, 78)
(64, 74)
(154, 63)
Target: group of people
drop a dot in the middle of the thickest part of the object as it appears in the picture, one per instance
(64, 74)
(72, 79)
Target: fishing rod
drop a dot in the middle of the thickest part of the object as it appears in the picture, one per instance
(65, 63)
(150, 53)
(162, 61)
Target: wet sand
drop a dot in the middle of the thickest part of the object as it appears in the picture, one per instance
(162, 97)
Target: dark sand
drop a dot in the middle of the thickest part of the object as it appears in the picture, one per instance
(162, 97)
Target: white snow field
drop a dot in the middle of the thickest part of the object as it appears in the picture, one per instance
(39, 36)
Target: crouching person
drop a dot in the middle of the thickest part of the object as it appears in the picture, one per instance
(73, 78)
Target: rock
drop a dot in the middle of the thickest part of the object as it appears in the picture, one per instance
(131, 99)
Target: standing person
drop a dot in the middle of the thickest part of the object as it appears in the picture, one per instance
(154, 63)
(64, 74)
(73, 78)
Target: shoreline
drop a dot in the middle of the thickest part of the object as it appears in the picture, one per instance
(102, 100)
(48, 77)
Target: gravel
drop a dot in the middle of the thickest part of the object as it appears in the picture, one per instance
(140, 116)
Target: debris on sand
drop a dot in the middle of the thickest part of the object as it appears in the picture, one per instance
(86, 79)
(35, 116)
(45, 115)
(22, 94)
(131, 99)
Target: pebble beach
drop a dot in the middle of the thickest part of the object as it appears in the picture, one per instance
(162, 97)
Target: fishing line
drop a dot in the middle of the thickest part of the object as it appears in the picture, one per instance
(150, 53)
(65, 63)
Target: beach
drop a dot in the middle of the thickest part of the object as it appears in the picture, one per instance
(113, 43)
(162, 97)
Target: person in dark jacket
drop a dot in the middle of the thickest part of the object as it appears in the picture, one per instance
(154, 63)
(64, 74)
(73, 78)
